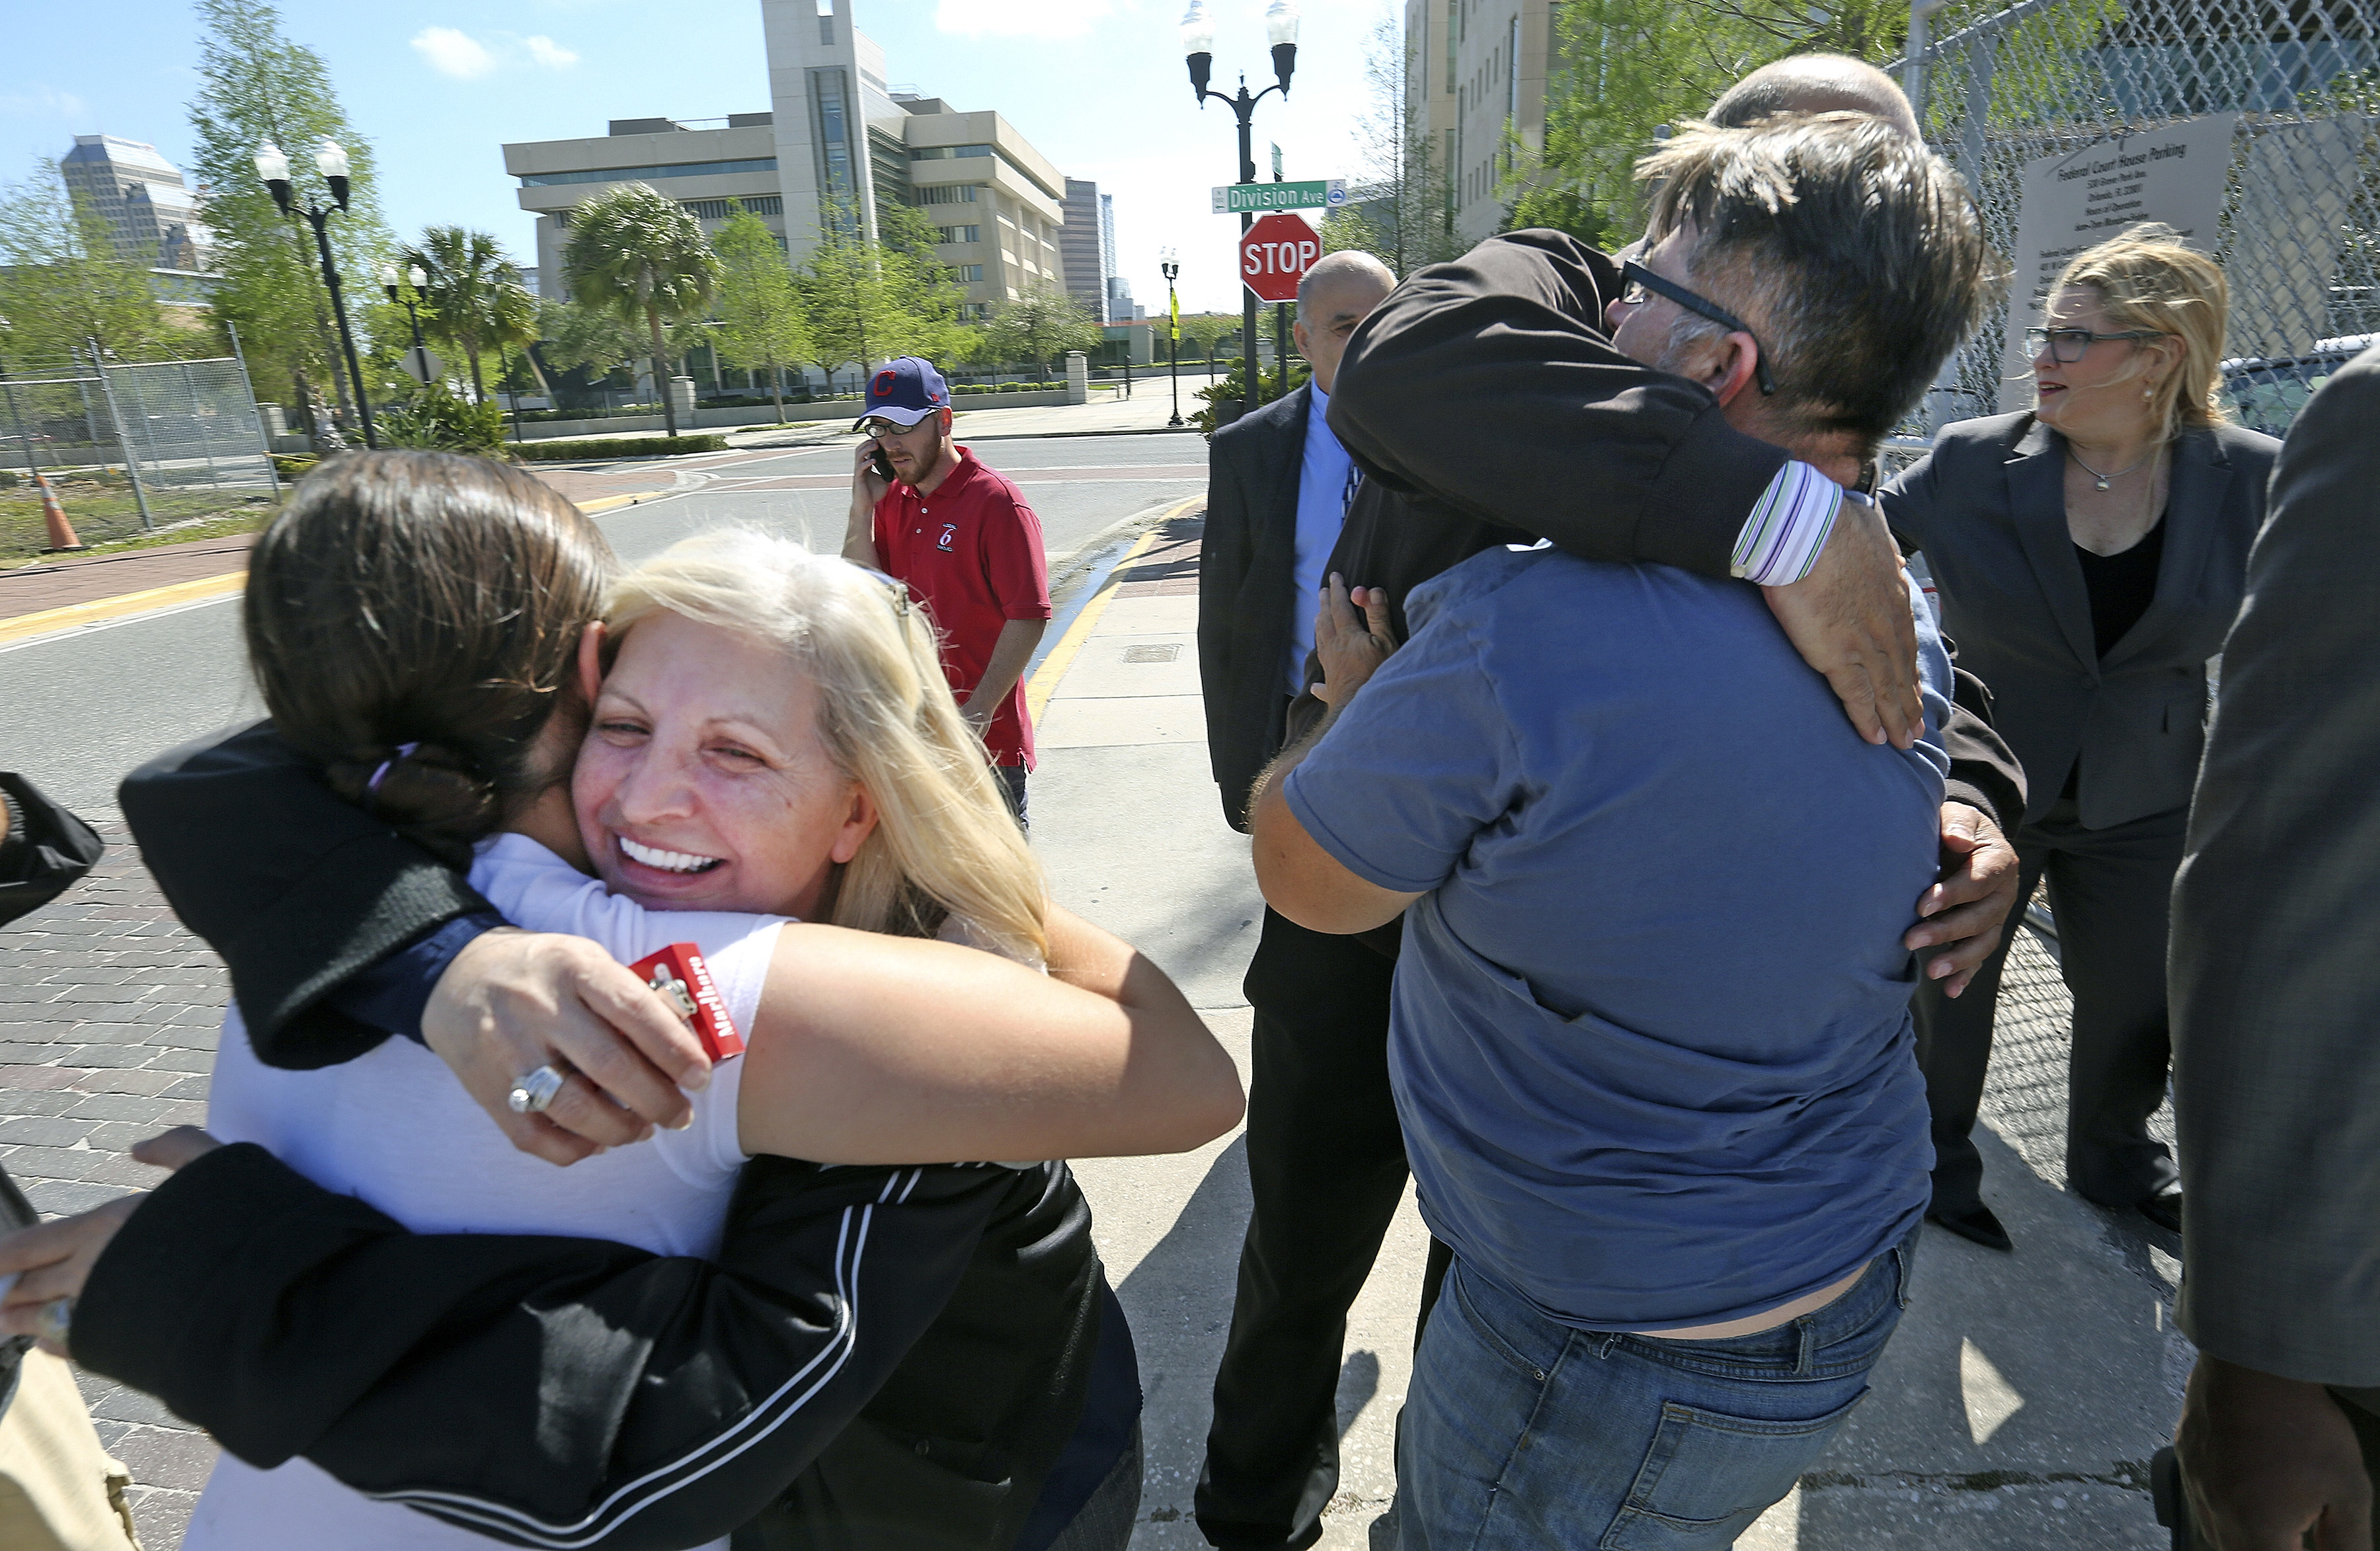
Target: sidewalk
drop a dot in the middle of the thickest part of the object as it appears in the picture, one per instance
(2019, 1402)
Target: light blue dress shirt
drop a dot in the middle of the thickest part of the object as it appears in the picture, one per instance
(1325, 482)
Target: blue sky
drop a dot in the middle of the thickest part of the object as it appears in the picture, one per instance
(1098, 85)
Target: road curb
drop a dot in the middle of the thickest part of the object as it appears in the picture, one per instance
(108, 611)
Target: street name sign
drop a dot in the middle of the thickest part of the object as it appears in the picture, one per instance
(1233, 199)
(2080, 199)
(1275, 253)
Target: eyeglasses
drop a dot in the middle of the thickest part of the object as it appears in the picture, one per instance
(2068, 345)
(1635, 280)
(884, 430)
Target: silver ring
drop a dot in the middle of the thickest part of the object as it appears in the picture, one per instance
(534, 1092)
(56, 1319)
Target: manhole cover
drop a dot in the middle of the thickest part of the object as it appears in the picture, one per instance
(1152, 654)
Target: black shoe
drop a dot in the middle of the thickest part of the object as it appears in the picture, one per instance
(1976, 1223)
(2164, 1210)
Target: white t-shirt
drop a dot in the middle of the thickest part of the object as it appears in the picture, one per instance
(394, 1129)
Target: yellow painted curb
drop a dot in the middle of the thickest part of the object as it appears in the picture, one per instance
(1061, 656)
(605, 504)
(100, 610)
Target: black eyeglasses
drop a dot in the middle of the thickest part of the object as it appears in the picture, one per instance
(2068, 345)
(1635, 277)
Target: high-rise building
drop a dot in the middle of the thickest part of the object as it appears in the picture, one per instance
(838, 147)
(1087, 245)
(151, 216)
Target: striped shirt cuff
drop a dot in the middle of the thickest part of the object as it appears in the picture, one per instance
(1790, 523)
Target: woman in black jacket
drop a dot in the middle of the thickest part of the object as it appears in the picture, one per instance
(2091, 554)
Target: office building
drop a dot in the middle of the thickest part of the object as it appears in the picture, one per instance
(150, 214)
(1087, 246)
(838, 146)
(1481, 66)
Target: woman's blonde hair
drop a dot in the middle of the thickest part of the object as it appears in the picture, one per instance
(944, 844)
(2146, 279)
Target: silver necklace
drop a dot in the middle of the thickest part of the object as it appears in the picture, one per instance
(2095, 474)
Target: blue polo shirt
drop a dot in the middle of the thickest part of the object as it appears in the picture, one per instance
(1650, 1037)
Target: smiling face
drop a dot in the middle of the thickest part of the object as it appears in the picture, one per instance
(2099, 398)
(703, 783)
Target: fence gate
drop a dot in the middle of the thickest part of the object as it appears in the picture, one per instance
(129, 447)
(2284, 93)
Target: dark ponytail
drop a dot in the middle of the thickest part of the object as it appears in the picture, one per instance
(413, 620)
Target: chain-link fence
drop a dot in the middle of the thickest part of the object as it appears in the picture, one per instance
(128, 448)
(2249, 124)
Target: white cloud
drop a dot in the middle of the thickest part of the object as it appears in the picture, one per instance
(42, 102)
(548, 53)
(455, 53)
(1020, 19)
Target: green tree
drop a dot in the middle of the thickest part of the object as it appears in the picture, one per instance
(1040, 327)
(1348, 227)
(868, 301)
(255, 85)
(760, 322)
(1405, 176)
(476, 299)
(639, 253)
(62, 284)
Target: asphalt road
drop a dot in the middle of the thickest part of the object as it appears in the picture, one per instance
(79, 711)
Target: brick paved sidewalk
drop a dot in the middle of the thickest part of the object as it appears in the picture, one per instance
(32, 589)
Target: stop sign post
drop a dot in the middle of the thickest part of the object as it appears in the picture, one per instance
(1275, 253)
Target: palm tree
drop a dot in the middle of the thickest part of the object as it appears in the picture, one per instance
(639, 253)
(471, 291)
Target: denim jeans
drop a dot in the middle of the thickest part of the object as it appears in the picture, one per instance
(1520, 1432)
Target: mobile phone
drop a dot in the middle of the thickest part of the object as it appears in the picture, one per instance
(884, 465)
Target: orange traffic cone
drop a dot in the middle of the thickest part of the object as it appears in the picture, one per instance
(62, 533)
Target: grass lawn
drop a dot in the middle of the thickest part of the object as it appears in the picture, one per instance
(106, 518)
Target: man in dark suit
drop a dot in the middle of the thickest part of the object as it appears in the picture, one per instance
(2275, 993)
(1325, 1163)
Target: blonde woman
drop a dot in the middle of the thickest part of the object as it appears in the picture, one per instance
(773, 745)
(2091, 554)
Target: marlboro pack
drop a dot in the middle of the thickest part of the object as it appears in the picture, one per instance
(682, 980)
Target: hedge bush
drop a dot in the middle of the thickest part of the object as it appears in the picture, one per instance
(293, 466)
(614, 447)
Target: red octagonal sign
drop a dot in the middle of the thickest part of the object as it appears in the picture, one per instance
(1275, 253)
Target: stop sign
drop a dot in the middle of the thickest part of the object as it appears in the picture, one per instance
(1275, 253)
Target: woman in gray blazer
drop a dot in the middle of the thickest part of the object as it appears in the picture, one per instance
(2091, 554)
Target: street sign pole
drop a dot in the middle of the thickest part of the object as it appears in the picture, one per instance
(1255, 384)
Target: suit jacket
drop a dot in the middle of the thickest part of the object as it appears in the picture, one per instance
(1987, 506)
(2274, 989)
(1247, 561)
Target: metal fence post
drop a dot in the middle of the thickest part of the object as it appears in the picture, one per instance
(248, 392)
(131, 462)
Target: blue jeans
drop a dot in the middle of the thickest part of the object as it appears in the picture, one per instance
(1519, 1432)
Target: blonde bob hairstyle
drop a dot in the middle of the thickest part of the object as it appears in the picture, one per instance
(2146, 279)
(945, 845)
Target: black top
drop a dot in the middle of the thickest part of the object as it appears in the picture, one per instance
(2122, 585)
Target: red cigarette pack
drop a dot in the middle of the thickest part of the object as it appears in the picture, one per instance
(678, 974)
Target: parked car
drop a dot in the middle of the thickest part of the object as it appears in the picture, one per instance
(2265, 394)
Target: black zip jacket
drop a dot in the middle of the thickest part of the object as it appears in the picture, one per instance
(886, 1358)
(1486, 406)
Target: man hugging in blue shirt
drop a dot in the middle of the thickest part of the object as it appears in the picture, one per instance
(1680, 1165)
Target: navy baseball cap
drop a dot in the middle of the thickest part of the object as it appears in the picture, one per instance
(904, 392)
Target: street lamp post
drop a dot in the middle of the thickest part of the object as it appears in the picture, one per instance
(1172, 268)
(1198, 43)
(415, 277)
(273, 167)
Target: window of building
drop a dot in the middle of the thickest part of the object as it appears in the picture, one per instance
(945, 153)
(826, 22)
(971, 312)
(971, 274)
(634, 174)
(1453, 37)
(720, 209)
(952, 194)
(960, 234)
(829, 95)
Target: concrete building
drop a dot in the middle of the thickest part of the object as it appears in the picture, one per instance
(151, 216)
(837, 148)
(1480, 69)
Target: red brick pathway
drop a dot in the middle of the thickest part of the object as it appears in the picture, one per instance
(57, 584)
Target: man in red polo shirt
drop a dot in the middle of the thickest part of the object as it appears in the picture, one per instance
(968, 546)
